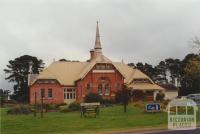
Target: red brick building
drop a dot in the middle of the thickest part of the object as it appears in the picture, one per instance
(66, 81)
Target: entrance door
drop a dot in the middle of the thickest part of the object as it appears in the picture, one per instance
(69, 95)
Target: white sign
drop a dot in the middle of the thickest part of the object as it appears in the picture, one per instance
(182, 114)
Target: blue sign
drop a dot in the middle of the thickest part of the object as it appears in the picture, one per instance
(153, 107)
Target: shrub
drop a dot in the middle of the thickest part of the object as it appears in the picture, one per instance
(122, 96)
(118, 97)
(51, 107)
(139, 104)
(19, 109)
(65, 110)
(61, 104)
(93, 97)
(160, 96)
(75, 106)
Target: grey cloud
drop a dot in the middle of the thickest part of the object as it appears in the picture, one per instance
(133, 30)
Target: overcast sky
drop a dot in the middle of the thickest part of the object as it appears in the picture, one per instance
(132, 30)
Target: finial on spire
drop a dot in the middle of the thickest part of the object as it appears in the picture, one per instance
(97, 40)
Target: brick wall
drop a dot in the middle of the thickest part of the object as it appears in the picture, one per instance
(57, 92)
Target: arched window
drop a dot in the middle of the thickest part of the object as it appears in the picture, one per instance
(100, 88)
(107, 87)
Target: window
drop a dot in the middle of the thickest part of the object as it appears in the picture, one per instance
(98, 66)
(107, 87)
(100, 88)
(103, 66)
(50, 94)
(109, 66)
(69, 93)
(42, 92)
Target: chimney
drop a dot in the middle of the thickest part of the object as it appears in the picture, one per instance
(91, 54)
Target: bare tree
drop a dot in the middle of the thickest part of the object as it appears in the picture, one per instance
(196, 43)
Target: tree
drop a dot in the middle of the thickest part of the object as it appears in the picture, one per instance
(174, 67)
(131, 65)
(18, 70)
(193, 67)
(125, 97)
(3, 96)
(140, 66)
(196, 42)
(191, 75)
(64, 60)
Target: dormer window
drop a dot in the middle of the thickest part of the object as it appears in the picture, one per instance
(98, 67)
(103, 66)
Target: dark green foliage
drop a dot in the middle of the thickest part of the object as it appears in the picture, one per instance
(3, 96)
(75, 106)
(122, 96)
(160, 96)
(60, 104)
(176, 68)
(93, 97)
(118, 97)
(190, 84)
(18, 70)
(20, 109)
(51, 107)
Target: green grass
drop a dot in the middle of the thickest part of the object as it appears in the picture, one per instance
(110, 119)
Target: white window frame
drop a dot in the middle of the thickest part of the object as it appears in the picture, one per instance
(69, 95)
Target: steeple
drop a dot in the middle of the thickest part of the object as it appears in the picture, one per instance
(96, 54)
(97, 46)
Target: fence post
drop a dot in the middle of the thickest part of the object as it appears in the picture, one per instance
(42, 107)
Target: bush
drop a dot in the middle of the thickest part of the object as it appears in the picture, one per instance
(61, 104)
(122, 96)
(160, 96)
(51, 107)
(19, 109)
(118, 97)
(93, 97)
(75, 106)
(139, 104)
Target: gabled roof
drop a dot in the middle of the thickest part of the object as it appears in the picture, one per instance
(65, 72)
(145, 86)
(68, 72)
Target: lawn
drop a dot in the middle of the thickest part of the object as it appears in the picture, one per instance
(110, 119)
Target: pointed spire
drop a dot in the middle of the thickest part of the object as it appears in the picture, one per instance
(97, 46)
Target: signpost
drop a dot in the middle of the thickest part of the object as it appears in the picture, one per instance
(153, 107)
(90, 108)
